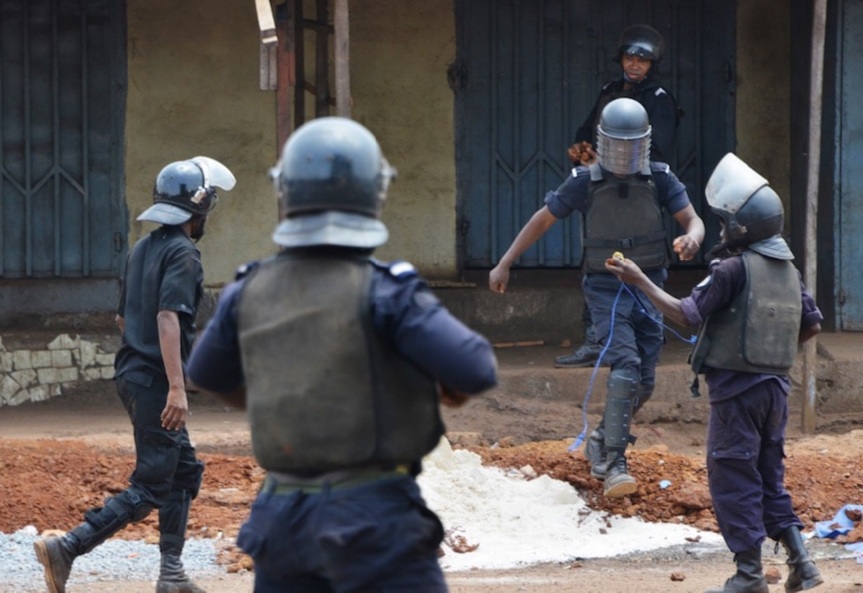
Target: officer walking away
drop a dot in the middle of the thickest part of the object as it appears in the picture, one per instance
(342, 362)
(639, 52)
(621, 197)
(162, 288)
(753, 311)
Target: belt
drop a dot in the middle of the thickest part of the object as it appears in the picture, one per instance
(276, 483)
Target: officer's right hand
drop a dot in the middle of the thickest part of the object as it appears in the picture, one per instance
(498, 278)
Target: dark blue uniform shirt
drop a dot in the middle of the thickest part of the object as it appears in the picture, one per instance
(163, 273)
(403, 307)
(727, 278)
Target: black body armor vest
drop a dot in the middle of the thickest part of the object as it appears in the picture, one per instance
(624, 215)
(324, 391)
(758, 332)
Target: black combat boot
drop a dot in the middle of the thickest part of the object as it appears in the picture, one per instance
(172, 577)
(804, 574)
(749, 577)
(594, 452)
(618, 482)
(56, 554)
(585, 355)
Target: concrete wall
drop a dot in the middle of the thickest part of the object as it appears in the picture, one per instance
(193, 89)
(764, 90)
(400, 51)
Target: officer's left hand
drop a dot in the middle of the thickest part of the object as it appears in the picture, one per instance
(686, 247)
(176, 409)
(626, 270)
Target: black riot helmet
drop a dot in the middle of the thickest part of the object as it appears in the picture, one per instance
(640, 40)
(750, 209)
(623, 137)
(187, 188)
(332, 180)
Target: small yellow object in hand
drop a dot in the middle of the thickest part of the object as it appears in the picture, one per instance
(617, 255)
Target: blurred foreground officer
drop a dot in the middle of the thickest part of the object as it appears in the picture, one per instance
(162, 288)
(753, 311)
(342, 362)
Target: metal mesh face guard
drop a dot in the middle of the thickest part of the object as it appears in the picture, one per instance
(623, 157)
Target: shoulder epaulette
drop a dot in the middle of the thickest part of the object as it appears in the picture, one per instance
(245, 269)
(659, 167)
(396, 269)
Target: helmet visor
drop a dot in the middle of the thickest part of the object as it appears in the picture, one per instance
(731, 184)
(215, 173)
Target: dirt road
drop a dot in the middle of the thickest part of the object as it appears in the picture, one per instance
(62, 447)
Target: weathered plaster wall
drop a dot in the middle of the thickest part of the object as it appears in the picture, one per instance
(400, 52)
(764, 90)
(193, 89)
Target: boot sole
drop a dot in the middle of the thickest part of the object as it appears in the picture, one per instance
(620, 489)
(808, 584)
(44, 559)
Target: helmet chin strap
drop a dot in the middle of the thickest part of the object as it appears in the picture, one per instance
(198, 224)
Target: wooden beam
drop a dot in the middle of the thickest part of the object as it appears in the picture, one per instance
(810, 275)
(287, 78)
(266, 22)
(322, 62)
(342, 58)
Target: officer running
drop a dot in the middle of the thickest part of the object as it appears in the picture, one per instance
(622, 197)
(639, 51)
(753, 311)
(342, 362)
(162, 288)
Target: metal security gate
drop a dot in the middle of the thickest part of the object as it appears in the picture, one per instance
(527, 74)
(62, 93)
(848, 176)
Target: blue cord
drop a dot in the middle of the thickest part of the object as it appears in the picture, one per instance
(690, 340)
(580, 438)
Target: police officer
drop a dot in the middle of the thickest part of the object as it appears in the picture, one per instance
(753, 311)
(341, 361)
(622, 197)
(639, 51)
(161, 291)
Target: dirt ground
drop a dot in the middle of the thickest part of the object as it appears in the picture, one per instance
(60, 457)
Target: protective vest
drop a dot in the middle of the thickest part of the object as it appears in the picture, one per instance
(624, 215)
(758, 332)
(324, 391)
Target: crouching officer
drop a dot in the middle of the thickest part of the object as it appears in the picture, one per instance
(342, 362)
(622, 197)
(753, 311)
(162, 288)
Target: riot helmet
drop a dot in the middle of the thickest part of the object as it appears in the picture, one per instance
(640, 40)
(184, 189)
(750, 209)
(623, 137)
(332, 181)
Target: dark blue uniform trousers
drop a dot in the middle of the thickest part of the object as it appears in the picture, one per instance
(746, 466)
(379, 536)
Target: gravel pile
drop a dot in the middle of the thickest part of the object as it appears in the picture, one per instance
(115, 560)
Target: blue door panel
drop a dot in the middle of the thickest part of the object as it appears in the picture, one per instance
(849, 189)
(62, 81)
